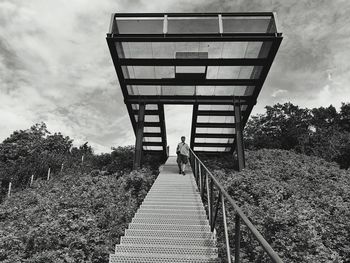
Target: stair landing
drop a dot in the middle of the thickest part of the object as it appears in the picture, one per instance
(171, 224)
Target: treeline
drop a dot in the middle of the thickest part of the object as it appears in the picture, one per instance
(322, 132)
(35, 150)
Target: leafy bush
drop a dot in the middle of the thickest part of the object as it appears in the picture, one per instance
(300, 204)
(321, 132)
(74, 218)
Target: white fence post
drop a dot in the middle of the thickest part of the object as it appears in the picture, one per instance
(82, 159)
(31, 180)
(9, 191)
(48, 173)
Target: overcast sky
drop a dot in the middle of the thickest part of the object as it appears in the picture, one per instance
(55, 65)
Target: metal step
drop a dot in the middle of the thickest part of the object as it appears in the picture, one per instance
(171, 234)
(167, 251)
(167, 227)
(172, 203)
(170, 211)
(132, 258)
(171, 216)
(147, 241)
(169, 221)
(173, 207)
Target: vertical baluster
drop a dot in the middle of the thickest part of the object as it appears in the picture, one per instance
(211, 199)
(208, 197)
(200, 180)
(225, 230)
(216, 212)
(237, 238)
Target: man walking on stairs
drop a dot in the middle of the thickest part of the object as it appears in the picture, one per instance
(183, 152)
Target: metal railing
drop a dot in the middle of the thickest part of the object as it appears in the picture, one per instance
(207, 186)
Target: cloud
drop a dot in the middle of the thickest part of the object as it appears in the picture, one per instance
(278, 92)
(55, 65)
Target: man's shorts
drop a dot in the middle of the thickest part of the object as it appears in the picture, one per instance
(182, 158)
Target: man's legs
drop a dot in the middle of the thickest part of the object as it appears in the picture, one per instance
(178, 160)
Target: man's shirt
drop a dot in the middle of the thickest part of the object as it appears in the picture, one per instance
(183, 148)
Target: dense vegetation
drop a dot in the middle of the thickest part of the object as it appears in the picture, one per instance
(300, 204)
(74, 217)
(322, 132)
(81, 212)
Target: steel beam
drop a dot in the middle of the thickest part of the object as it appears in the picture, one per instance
(239, 138)
(192, 82)
(139, 137)
(192, 62)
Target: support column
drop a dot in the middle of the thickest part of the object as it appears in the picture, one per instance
(239, 136)
(139, 137)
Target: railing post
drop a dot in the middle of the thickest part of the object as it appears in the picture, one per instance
(200, 180)
(225, 230)
(216, 212)
(31, 180)
(48, 173)
(9, 190)
(237, 237)
(208, 198)
(196, 170)
(211, 199)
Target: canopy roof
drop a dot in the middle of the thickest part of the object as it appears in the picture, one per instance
(210, 60)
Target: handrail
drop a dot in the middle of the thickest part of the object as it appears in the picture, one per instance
(203, 181)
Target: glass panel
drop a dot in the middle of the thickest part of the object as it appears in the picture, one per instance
(212, 149)
(215, 119)
(153, 148)
(141, 25)
(148, 72)
(151, 107)
(213, 140)
(215, 107)
(151, 129)
(151, 118)
(183, 25)
(214, 49)
(152, 139)
(216, 130)
(246, 24)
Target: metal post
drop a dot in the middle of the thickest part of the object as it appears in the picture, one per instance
(208, 197)
(9, 190)
(200, 181)
(48, 173)
(82, 159)
(31, 180)
(225, 230)
(239, 136)
(211, 198)
(237, 237)
(216, 212)
(139, 137)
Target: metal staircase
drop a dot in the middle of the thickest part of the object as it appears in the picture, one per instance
(171, 225)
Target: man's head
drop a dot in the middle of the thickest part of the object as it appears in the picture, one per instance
(183, 138)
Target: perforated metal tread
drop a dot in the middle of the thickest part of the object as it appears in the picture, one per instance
(168, 227)
(171, 216)
(169, 221)
(147, 241)
(152, 259)
(170, 211)
(171, 225)
(172, 234)
(173, 207)
(167, 251)
(172, 203)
